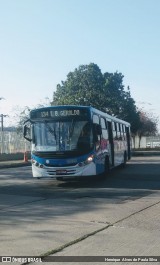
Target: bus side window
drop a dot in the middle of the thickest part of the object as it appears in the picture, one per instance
(118, 131)
(96, 121)
(124, 130)
(121, 131)
(114, 130)
(104, 129)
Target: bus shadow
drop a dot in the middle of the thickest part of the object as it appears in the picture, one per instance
(133, 176)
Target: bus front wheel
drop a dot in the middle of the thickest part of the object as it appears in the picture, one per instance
(106, 168)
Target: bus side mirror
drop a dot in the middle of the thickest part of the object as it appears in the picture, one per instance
(27, 132)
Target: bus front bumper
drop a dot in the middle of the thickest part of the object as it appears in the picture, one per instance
(65, 172)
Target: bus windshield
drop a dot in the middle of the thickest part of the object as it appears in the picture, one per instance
(66, 135)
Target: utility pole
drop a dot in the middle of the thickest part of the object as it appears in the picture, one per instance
(2, 136)
(2, 132)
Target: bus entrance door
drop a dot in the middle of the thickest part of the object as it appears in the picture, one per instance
(110, 134)
(128, 142)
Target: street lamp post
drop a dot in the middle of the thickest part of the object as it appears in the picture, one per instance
(2, 135)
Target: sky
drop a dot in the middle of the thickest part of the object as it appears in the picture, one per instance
(41, 41)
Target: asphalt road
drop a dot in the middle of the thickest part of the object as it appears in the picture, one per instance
(118, 216)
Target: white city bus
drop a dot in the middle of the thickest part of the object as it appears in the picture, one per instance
(75, 141)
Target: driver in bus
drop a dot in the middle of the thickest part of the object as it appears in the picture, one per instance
(84, 138)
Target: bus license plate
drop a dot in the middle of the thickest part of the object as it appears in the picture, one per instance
(61, 172)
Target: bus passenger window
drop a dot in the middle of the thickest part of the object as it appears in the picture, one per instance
(114, 130)
(104, 129)
(118, 131)
(122, 134)
(121, 131)
(124, 130)
(96, 119)
(113, 126)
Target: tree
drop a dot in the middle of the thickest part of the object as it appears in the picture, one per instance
(84, 86)
(148, 125)
(119, 101)
(20, 116)
(114, 92)
(88, 86)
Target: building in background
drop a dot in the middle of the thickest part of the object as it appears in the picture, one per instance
(147, 142)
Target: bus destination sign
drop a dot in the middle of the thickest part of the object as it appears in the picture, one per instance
(51, 113)
(60, 113)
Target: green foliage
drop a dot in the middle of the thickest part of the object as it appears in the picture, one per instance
(88, 86)
(119, 101)
(148, 125)
(84, 86)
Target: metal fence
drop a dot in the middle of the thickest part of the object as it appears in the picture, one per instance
(153, 142)
(13, 142)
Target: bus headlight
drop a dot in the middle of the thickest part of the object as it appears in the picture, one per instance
(87, 161)
(35, 163)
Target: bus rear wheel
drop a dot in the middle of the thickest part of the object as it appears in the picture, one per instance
(124, 160)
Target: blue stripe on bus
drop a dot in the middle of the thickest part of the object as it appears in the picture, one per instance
(61, 162)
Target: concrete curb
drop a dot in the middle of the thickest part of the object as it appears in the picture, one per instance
(145, 153)
(13, 164)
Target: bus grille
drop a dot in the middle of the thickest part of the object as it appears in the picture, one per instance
(56, 155)
(59, 165)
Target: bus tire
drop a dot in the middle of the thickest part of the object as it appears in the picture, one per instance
(124, 160)
(106, 168)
